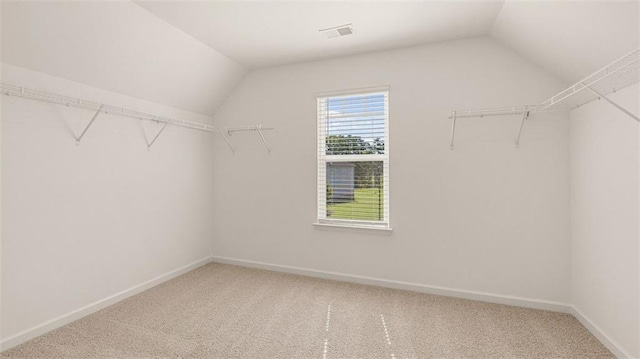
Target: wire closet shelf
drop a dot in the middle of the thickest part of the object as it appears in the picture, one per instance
(49, 97)
(619, 74)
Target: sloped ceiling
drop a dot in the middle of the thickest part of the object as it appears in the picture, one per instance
(120, 47)
(191, 55)
(260, 34)
(569, 39)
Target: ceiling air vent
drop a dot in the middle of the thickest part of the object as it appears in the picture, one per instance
(342, 30)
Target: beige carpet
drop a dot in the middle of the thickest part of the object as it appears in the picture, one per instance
(222, 311)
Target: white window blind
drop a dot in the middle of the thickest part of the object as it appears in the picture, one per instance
(353, 159)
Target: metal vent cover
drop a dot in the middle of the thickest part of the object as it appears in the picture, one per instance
(338, 31)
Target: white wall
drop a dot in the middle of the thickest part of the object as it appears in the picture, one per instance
(82, 223)
(605, 189)
(1, 161)
(485, 217)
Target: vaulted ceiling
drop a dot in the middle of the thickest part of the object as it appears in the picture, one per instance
(191, 54)
(117, 46)
(569, 39)
(259, 34)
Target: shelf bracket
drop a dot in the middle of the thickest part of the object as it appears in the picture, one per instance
(149, 144)
(259, 129)
(79, 138)
(453, 128)
(224, 133)
(525, 115)
(600, 96)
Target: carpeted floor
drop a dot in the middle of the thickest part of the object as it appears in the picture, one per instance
(222, 311)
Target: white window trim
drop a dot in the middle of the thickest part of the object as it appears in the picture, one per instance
(322, 159)
(353, 227)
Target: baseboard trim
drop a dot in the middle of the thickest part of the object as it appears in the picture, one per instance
(428, 289)
(65, 319)
(606, 340)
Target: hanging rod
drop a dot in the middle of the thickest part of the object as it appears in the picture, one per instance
(247, 128)
(629, 113)
(49, 97)
(619, 74)
(226, 132)
(495, 111)
(18, 91)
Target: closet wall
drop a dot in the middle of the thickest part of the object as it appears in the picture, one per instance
(485, 220)
(83, 223)
(605, 212)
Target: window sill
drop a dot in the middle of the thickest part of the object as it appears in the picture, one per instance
(353, 227)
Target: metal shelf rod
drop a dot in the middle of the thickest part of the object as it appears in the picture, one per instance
(247, 128)
(624, 68)
(259, 129)
(149, 144)
(580, 86)
(227, 131)
(19, 91)
(629, 113)
(12, 90)
(453, 129)
(225, 136)
(79, 138)
(525, 115)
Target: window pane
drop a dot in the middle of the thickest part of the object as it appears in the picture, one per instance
(355, 125)
(355, 190)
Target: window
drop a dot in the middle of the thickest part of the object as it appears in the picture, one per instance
(353, 159)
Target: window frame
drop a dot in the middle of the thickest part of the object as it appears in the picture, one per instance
(323, 159)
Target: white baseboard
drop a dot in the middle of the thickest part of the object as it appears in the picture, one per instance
(611, 344)
(449, 292)
(614, 347)
(62, 320)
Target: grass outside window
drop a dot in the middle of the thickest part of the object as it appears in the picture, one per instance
(367, 205)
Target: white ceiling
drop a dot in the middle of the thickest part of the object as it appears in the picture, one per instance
(190, 54)
(120, 47)
(569, 39)
(259, 34)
